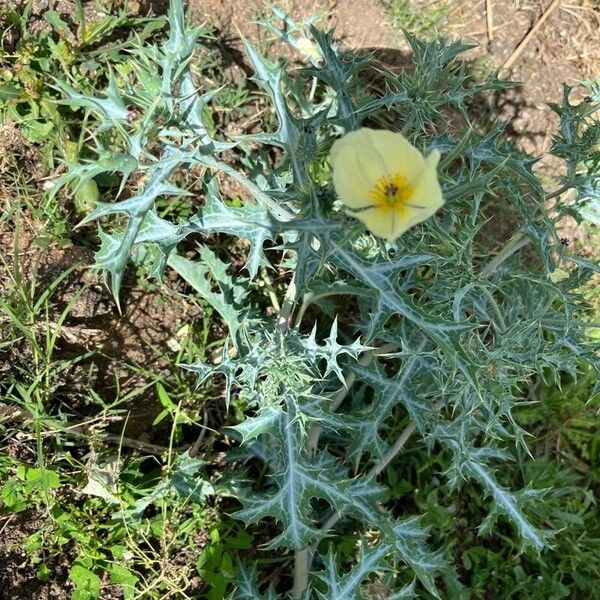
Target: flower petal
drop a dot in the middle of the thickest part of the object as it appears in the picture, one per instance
(387, 224)
(350, 182)
(395, 154)
(427, 192)
(362, 158)
(355, 155)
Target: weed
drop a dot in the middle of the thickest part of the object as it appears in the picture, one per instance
(418, 18)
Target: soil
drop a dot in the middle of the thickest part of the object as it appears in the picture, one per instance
(358, 23)
(565, 48)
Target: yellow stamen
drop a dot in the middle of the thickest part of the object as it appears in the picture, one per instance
(392, 192)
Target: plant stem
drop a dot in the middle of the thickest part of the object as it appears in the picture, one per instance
(514, 243)
(302, 560)
(380, 466)
(286, 306)
(557, 192)
(300, 556)
(270, 289)
(391, 453)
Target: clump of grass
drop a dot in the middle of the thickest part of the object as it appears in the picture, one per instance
(423, 19)
(68, 470)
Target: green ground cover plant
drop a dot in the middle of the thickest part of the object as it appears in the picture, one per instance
(407, 418)
(423, 19)
(71, 497)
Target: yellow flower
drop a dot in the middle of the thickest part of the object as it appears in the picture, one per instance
(384, 181)
(558, 275)
(306, 47)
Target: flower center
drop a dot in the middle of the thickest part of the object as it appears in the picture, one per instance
(391, 191)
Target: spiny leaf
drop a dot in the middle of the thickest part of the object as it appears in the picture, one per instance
(392, 301)
(298, 482)
(247, 586)
(337, 70)
(405, 541)
(471, 462)
(241, 372)
(110, 106)
(507, 503)
(251, 221)
(348, 586)
(331, 350)
(297, 136)
(371, 422)
(228, 301)
(107, 162)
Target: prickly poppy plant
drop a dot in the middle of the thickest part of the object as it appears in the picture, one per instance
(403, 318)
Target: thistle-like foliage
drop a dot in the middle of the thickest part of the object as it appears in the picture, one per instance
(578, 143)
(467, 322)
(349, 585)
(247, 587)
(165, 108)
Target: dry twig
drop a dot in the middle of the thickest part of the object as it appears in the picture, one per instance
(519, 49)
(489, 15)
